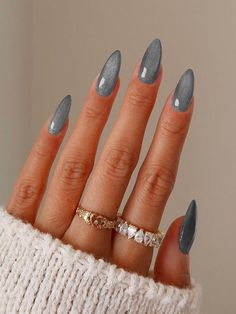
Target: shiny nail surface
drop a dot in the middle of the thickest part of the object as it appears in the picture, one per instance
(109, 74)
(184, 91)
(188, 228)
(151, 61)
(57, 122)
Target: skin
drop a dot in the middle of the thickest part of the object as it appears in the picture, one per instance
(109, 179)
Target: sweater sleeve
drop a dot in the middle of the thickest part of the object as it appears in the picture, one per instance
(40, 274)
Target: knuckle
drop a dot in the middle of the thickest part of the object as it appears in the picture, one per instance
(169, 128)
(138, 99)
(119, 163)
(156, 185)
(27, 193)
(93, 112)
(74, 171)
(39, 151)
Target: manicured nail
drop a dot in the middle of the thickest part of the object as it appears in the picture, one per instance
(184, 91)
(57, 122)
(187, 229)
(109, 74)
(151, 62)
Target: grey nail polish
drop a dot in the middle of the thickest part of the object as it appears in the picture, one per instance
(151, 62)
(57, 122)
(187, 229)
(109, 74)
(184, 91)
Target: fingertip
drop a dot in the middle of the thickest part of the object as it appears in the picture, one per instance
(53, 138)
(174, 121)
(135, 76)
(169, 106)
(106, 82)
(93, 94)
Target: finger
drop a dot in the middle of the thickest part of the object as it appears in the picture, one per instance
(31, 183)
(77, 158)
(172, 263)
(108, 183)
(156, 177)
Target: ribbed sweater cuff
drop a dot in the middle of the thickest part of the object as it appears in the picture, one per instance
(40, 274)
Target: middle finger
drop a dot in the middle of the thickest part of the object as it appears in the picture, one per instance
(107, 186)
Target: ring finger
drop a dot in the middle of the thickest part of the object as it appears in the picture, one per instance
(156, 177)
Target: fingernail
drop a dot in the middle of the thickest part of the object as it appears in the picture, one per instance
(187, 229)
(109, 74)
(57, 122)
(151, 61)
(184, 91)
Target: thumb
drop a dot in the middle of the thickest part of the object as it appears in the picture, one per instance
(172, 263)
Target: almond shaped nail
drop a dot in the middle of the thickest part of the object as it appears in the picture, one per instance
(109, 74)
(188, 228)
(151, 62)
(58, 120)
(184, 91)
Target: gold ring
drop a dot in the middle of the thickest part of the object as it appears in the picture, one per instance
(138, 234)
(94, 219)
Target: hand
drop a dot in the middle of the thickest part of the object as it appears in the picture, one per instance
(108, 181)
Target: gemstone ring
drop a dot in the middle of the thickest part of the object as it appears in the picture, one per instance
(138, 234)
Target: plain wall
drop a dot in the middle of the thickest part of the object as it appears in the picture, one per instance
(72, 40)
(15, 89)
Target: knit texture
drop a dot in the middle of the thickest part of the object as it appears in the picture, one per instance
(40, 274)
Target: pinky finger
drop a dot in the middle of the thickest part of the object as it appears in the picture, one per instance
(31, 183)
(172, 263)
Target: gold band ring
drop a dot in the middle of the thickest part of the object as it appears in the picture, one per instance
(94, 219)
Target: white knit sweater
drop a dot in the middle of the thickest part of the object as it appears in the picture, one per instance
(40, 274)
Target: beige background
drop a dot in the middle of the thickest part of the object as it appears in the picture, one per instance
(57, 47)
(15, 89)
